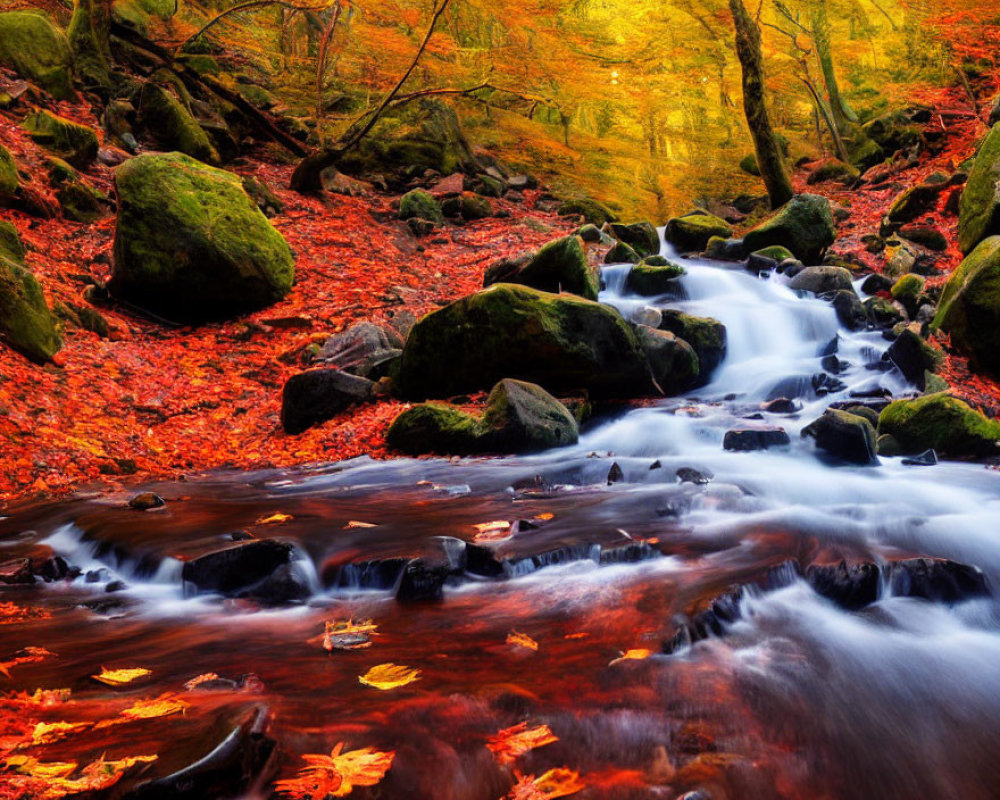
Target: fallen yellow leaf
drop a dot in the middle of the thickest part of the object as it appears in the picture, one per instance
(49, 732)
(120, 677)
(389, 676)
(492, 531)
(200, 679)
(354, 523)
(631, 655)
(162, 706)
(346, 634)
(558, 782)
(337, 774)
(274, 519)
(510, 743)
(521, 640)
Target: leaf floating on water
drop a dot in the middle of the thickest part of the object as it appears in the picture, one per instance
(121, 677)
(631, 655)
(276, 518)
(492, 531)
(389, 676)
(12, 613)
(49, 732)
(558, 782)
(346, 634)
(510, 743)
(27, 655)
(51, 770)
(95, 777)
(545, 516)
(162, 706)
(337, 774)
(354, 523)
(205, 677)
(522, 640)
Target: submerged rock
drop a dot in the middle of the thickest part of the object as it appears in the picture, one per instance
(747, 439)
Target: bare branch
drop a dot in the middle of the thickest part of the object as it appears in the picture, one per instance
(243, 7)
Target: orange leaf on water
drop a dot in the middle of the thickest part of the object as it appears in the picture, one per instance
(631, 655)
(198, 680)
(389, 676)
(162, 706)
(558, 782)
(274, 519)
(510, 743)
(49, 732)
(521, 640)
(492, 531)
(121, 677)
(337, 774)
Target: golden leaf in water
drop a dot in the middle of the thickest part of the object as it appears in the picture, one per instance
(277, 518)
(631, 655)
(348, 634)
(389, 676)
(51, 770)
(356, 523)
(120, 677)
(198, 680)
(558, 782)
(337, 774)
(162, 706)
(492, 531)
(521, 640)
(510, 743)
(49, 732)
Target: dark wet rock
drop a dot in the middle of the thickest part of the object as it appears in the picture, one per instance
(672, 361)
(845, 436)
(781, 405)
(822, 279)
(725, 249)
(937, 580)
(423, 581)
(926, 236)
(382, 574)
(914, 357)
(883, 313)
(850, 586)
(364, 349)
(747, 439)
(706, 336)
(850, 311)
(928, 458)
(692, 231)
(615, 474)
(804, 225)
(942, 423)
(146, 501)
(259, 570)
(16, 571)
(649, 279)
(695, 476)
(640, 236)
(622, 253)
(628, 553)
(115, 586)
(320, 394)
(824, 384)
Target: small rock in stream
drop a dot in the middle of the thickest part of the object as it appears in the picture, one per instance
(146, 501)
(615, 474)
(928, 458)
(747, 439)
(691, 475)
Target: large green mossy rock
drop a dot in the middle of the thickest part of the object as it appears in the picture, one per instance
(640, 236)
(418, 136)
(803, 225)
(692, 231)
(979, 209)
(8, 176)
(707, 336)
(435, 428)
(190, 244)
(673, 362)
(10, 243)
(558, 341)
(650, 280)
(591, 211)
(26, 324)
(849, 437)
(969, 308)
(173, 126)
(75, 143)
(561, 265)
(420, 204)
(37, 50)
(939, 422)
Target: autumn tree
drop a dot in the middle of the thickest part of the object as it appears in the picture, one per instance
(769, 158)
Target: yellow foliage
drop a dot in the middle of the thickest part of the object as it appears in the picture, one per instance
(389, 676)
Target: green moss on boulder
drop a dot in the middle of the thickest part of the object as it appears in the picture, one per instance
(521, 417)
(561, 265)
(10, 242)
(37, 50)
(649, 280)
(849, 437)
(672, 361)
(26, 324)
(190, 244)
(172, 126)
(969, 308)
(804, 225)
(8, 176)
(558, 341)
(640, 236)
(435, 428)
(419, 204)
(706, 336)
(81, 203)
(591, 210)
(941, 422)
(694, 230)
(75, 143)
(979, 209)
(622, 253)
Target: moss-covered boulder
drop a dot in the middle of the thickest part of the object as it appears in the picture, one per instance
(621, 253)
(979, 209)
(561, 265)
(474, 206)
(37, 50)
(672, 361)
(822, 279)
(435, 428)
(420, 204)
(172, 126)
(75, 143)
(418, 136)
(8, 176)
(832, 169)
(914, 357)
(749, 165)
(590, 210)
(692, 231)
(81, 203)
(939, 422)
(969, 308)
(774, 253)
(913, 203)
(558, 341)
(190, 244)
(650, 280)
(10, 243)
(803, 225)
(848, 437)
(521, 417)
(26, 324)
(706, 336)
(640, 236)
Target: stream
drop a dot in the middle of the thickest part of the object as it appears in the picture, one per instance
(783, 638)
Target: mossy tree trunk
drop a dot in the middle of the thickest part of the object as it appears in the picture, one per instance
(843, 115)
(769, 160)
(90, 37)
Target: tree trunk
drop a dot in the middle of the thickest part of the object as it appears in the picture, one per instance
(843, 116)
(748, 49)
(90, 38)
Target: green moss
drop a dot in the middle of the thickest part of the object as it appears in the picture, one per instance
(969, 308)
(38, 50)
(561, 265)
(749, 165)
(558, 341)
(833, 170)
(10, 243)
(60, 172)
(865, 153)
(907, 287)
(435, 428)
(8, 174)
(26, 323)
(672, 361)
(979, 209)
(591, 210)
(640, 236)
(522, 417)
(80, 202)
(474, 206)
(651, 280)
(775, 253)
(258, 96)
(200, 63)
(191, 244)
(941, 422)
(693, 231)
(75, 143)
(419, 204)
(707, 336)
(172, 125)
(804, 225)
(622, 253)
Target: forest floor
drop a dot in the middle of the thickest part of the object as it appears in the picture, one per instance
(158, 401)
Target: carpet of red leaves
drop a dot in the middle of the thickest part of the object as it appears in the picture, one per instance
(153, 400)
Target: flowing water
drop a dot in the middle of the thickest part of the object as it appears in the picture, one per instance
(794, 693)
